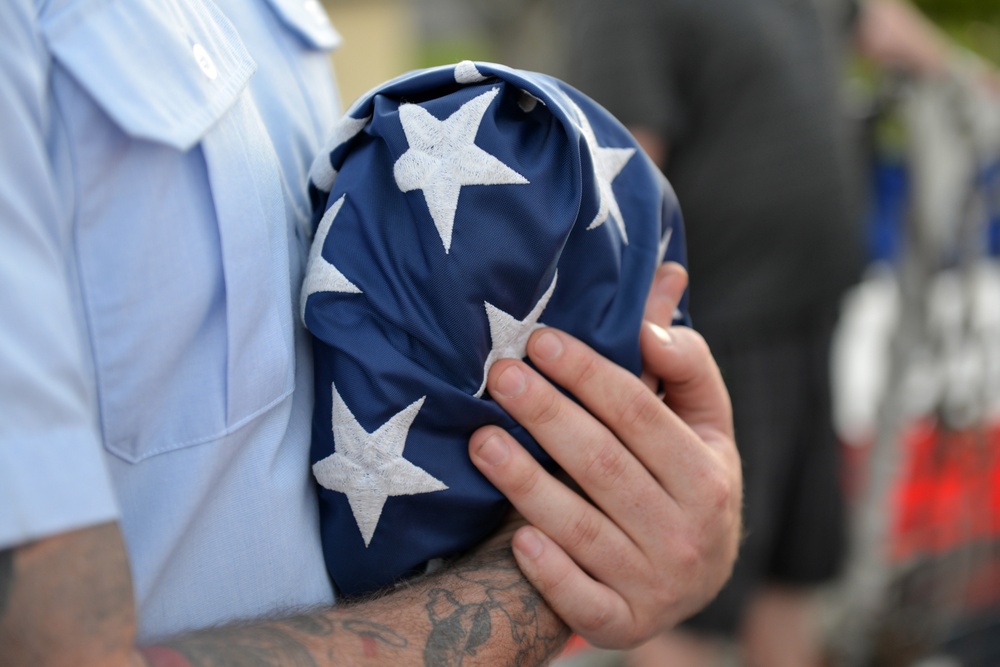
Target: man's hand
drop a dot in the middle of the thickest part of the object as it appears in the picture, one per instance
(658, 531)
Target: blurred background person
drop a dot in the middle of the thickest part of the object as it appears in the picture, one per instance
(740, 104)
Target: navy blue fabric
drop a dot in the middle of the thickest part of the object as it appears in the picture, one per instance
(419, 327)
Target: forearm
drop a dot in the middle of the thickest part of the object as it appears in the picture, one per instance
(68, 600)
(479, 612)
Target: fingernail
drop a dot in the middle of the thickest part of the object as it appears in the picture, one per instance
(662, 334)
(511, 382)
(528, 544)
(548, 347)
(493, 451)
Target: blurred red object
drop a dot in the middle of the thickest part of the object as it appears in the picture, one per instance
(948, 492)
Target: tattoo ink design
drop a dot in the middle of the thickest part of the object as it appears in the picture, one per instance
(374, 634)
(270, 645)
(314, 625)
(457, 629)
(461, 628)
(484, 599)
(264, 646)
(6, 577)
(380, 633)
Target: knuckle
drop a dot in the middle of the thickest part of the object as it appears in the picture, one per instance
(641, 409)
(593, 619)
(523, 485)
(718, 489)
(606, 466)
(546, 407)
(690, 555)
(556, 582)
(581, 531)
(587, 370)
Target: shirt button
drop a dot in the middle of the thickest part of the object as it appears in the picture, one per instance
(205, 62)
(316, 11)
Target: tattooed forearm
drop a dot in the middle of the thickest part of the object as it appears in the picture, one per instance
(315, 625)
(375, 632)
(259, 646)
(496, 598)
(6, 577)
(285, 643)
(480, 611)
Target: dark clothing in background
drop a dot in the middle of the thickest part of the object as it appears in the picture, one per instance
(794, 510)
(746, 97)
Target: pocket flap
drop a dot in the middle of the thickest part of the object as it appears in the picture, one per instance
(112, 48)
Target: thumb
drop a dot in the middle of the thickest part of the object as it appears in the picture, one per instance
(692, 384)
(669, 283)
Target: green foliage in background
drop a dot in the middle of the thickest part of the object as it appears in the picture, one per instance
(453, 50)
(974, 24)
(956, 11)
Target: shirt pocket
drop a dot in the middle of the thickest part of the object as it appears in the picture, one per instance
(180, 232)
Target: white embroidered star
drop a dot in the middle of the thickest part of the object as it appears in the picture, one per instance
(322, 173)
(509, 335)
(466, 72)
(664, 245)
(443, 157)
(321, 275)
(608, 163)
(369, 467)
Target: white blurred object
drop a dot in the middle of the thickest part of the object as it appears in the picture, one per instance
(860, 354)
(986, 328)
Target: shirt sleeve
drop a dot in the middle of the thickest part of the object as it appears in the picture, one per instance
(52, 473)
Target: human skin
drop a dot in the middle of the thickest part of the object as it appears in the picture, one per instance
(654, 542)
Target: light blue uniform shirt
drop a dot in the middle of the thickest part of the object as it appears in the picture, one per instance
(153, 223)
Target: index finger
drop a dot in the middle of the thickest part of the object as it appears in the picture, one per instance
(667, 447)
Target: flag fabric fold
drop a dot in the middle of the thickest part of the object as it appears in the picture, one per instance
(458, 209)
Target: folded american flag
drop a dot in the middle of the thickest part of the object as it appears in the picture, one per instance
(460, 208)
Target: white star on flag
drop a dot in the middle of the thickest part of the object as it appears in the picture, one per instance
(321, 275)
(664, 245)
(466, 72)
(443, 157)
(322, 172)
(509, 335)
(608, 163)
(369, 467)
